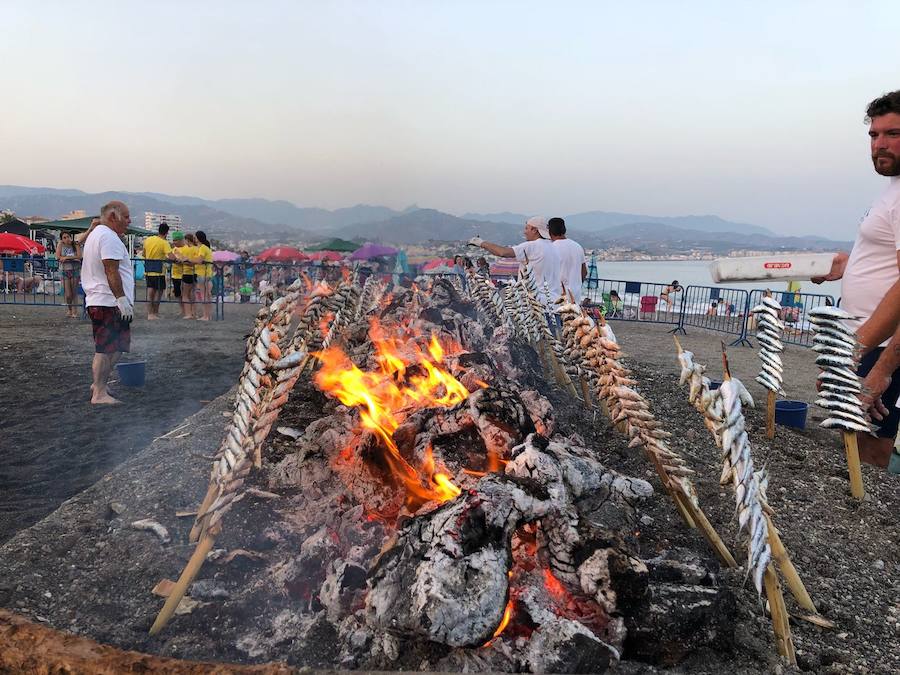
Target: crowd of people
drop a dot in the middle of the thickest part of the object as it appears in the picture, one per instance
(189, 263)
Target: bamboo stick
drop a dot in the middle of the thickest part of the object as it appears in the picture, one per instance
(780, 625)
(770, 414)
(852, 449)
(586, 393)
(187, 576)
(207, 502)
(791, 577)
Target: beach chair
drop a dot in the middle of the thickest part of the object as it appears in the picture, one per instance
(648, 305)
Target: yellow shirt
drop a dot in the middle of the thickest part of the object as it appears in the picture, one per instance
(188, 251)
(177, 266)
(204, 269)
(155, 248)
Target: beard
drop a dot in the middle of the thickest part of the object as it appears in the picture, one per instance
(892, 169)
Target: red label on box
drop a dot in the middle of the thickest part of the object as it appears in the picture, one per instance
(777, 266)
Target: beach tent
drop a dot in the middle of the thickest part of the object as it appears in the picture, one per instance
(370, 250)
(281, 254)
(81, 224)
(16, 226)
(505, 268)
(325, 255)
(225, 256)
(340, 245)
(16, 244)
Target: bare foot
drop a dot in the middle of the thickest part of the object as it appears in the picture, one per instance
(104, 399)
(188, 317)
(152, 317)
(202, 318)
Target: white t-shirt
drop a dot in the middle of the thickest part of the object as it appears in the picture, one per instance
(544, 263)
(872, 267)
(571, 258)
(104, 244)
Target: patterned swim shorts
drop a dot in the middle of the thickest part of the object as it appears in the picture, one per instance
(111, 332)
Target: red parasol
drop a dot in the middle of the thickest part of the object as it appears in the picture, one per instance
(281, 254)
(16, 244)
(326, 255)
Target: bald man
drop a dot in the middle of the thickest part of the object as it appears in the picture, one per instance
(108, 281)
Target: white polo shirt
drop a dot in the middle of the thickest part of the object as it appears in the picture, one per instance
(571, 258)
(872, 267)
(544, 263)
(104, 244)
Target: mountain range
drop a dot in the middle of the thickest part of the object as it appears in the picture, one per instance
(282, 221)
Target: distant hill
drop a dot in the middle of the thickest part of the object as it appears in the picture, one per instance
(423, 225)
(592, 221)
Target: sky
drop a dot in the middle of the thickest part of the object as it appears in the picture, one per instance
(753, 111)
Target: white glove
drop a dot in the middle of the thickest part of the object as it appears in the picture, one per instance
(126, 308)
(476, 241)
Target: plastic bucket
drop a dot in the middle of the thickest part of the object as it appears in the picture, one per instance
(132, 374)
(791, 413)
(714, 384)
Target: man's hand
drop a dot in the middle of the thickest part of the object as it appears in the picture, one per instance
(838, 265)
(126, 308)
(873, 387)
(476, 241)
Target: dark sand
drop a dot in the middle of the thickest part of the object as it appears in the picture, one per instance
(83, 569)
(53, 442)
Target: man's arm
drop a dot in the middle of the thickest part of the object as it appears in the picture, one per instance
(583, 271)
(111, 267)
(838, 265)
(498, 250)
(884, 320)
(879, 378)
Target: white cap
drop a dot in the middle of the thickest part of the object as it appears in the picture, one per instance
(540, 224)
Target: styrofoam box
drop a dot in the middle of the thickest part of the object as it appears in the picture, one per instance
(777, 267)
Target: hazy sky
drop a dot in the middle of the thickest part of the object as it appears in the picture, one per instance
(754, 113)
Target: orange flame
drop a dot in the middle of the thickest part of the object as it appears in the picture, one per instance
(504, 622)
(387, 395)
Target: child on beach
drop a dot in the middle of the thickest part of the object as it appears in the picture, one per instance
(68, 253)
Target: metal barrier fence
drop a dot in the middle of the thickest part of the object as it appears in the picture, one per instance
(37, 281)
(795, 308)
(723, 310)
(645, 301)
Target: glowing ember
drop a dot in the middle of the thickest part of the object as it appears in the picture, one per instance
(504, 622)
(408, 378)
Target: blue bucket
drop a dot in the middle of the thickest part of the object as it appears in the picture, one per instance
(791, 413)
(714, 384)
(132, 374)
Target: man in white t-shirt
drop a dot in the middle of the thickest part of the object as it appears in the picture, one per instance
(540, 253)
(572, 261)
(108, 281)
(871, 283)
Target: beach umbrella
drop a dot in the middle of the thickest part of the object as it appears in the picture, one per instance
(505, 268)
(437, 262)
(225, 256)
(16, 244)
(336, 244)
(325, 255)
(281, 254)
(370, 250)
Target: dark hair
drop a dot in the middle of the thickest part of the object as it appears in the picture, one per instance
(675, 283)
(884, 105)
(614, 292)
(201, 235)
(557, 227)
(163, 229)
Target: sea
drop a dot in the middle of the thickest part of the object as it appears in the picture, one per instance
(696, 273)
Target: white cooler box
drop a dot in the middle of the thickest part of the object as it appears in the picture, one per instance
(776, 267)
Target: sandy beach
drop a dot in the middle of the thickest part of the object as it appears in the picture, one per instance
(845, 551)
(55, 443)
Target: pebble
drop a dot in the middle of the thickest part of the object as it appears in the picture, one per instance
(878, 564)
(646, 520)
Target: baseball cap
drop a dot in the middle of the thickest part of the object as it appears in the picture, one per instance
(178, 234)
(540, 224)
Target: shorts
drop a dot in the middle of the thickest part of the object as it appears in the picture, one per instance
(70, 274)
(156, 282)
(188, 279)
(887, 426)
(176, 287)
(111, 332)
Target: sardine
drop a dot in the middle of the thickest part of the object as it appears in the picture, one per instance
(830, 360)
(832, 350)
(833, 327)
(841, 342)
(827, 312)
(848, 408)
(761, 566)
(771, 303)
(836, 423)
(829, 395)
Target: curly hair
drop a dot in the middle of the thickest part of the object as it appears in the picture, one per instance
(884, 105)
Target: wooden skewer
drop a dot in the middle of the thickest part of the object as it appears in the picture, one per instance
(187, 576)
(770, 414)
(794, 583)
(852, 449)
(211, 492)
(586, 392)
(780, 625)
(678, 344)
